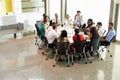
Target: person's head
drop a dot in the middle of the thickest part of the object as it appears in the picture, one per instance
(76, 31)
(45, 21)
(67, 16)
(99, 24)
(93, 30)
(83, 26)
(54, 25)
(44, 15)
(64, 33)
(110, 25)
(78, 13)
(56, 15)
(90, 21)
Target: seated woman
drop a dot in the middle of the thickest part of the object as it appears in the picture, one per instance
(63, 37)
(95, 39)
(77, 37)
(51, 36)
(63, 44)
(81, 37)
(42, 30)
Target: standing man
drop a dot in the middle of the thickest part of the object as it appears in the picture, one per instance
(78, 19)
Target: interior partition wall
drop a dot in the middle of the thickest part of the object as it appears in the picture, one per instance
(98, 10)
(117, 20)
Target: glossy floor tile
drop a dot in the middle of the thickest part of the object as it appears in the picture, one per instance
(20, 59)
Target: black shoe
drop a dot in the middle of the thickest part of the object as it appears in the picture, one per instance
(97, 55)
(73, 57)
(79, 58)
(60, 59)
(92, 54)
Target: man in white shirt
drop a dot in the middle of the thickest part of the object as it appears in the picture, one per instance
(67, 20)
(56, 20)
(100, 30)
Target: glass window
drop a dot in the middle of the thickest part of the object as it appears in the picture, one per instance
(32, 6)
(55, 8)
(98, 10)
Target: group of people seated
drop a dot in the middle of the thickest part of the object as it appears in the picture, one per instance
(95, 33)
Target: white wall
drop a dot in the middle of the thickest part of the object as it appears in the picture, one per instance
(0, 7)
(118, 26)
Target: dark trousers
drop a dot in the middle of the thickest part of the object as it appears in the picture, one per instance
(53, 44)
(104, 43)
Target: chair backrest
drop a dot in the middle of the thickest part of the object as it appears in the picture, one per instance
(108, 43)
(79, 45)
(37, 29)
(62, 47)
(112, 38)
(103, 33)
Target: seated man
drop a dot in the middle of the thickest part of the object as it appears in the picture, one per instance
(109, 36)
(100, 30)
(56, 20)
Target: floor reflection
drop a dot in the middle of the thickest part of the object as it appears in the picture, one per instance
(22, 60)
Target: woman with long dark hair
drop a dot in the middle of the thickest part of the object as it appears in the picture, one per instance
(95, 38)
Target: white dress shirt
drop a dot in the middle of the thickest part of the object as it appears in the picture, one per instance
(68, 22)
(101, 32)
(51, 35)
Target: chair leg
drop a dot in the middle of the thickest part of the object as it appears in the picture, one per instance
(68, 60)
(72, 60)
(48, 54)
(55, 57)
(109, 52)
(85, 55)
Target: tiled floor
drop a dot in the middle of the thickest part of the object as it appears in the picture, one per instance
(21, 60)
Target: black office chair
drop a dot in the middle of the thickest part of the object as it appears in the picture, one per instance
(37, 35)
(105, 45)
(50, 48)
(79, 49)
(62, 49)
(39, 38)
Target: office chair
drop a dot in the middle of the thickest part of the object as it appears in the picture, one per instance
(62, 49)
(37, 35)
(79, 49)
(105, 46)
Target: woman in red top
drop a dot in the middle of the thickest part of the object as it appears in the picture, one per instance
(75, 37)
